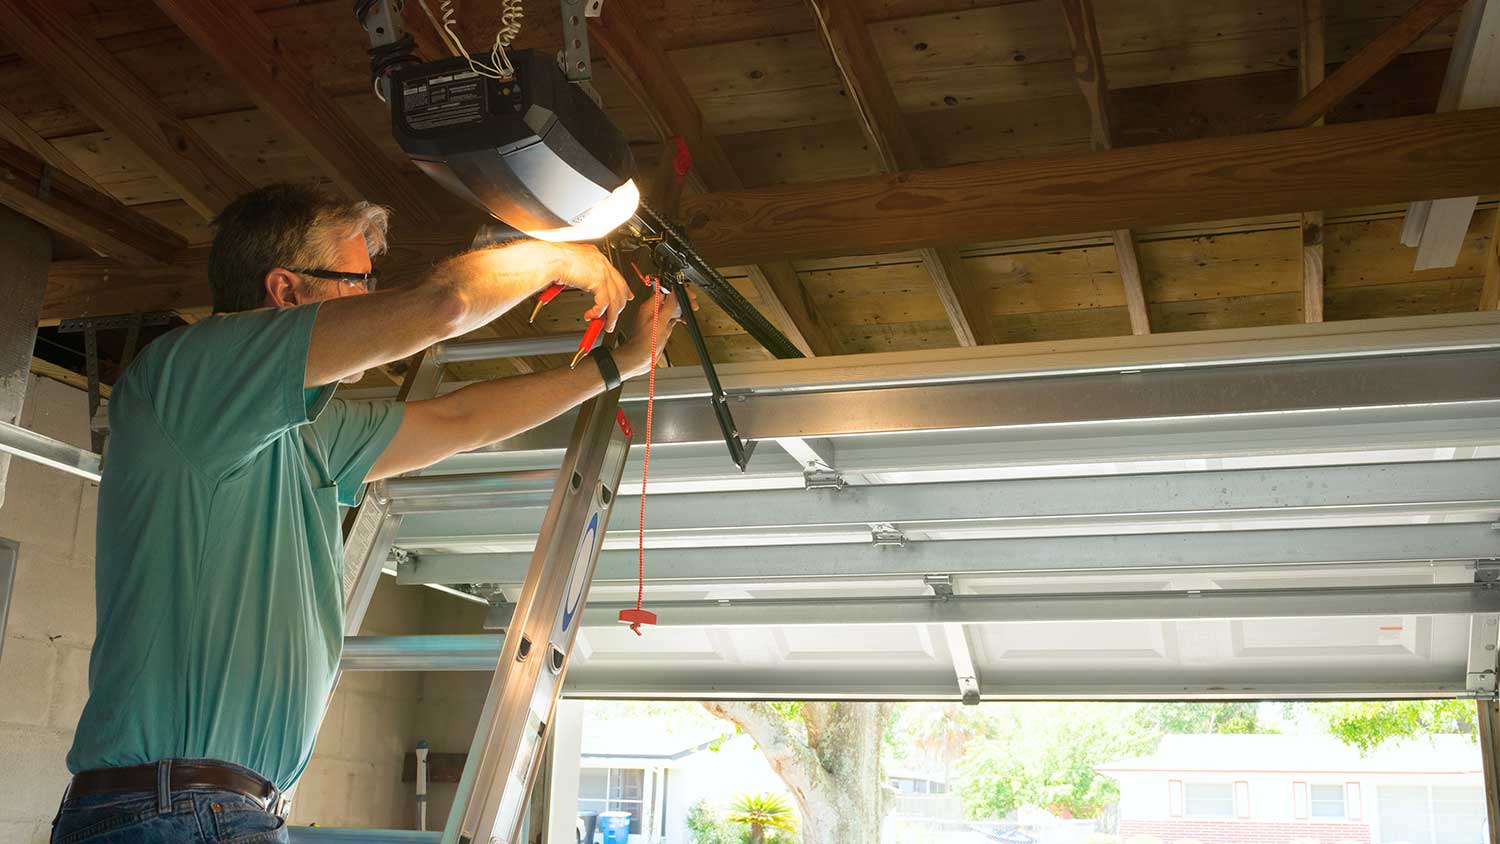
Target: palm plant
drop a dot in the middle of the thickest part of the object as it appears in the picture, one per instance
(761, 811)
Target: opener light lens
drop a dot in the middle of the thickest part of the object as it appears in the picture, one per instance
(607, 215)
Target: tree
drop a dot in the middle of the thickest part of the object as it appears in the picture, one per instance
(1367, 724)
(1199, 717)
(1044, 755)
(828, 754)
(762, 811)
(939, 732)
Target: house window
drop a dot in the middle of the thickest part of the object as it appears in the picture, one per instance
(1326, 801)
(613, 790)
(1208, 799)
(1420, 814)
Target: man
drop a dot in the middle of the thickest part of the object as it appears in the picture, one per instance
(219, 554)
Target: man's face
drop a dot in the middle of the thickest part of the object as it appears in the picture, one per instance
(286, 289)
(353, 258)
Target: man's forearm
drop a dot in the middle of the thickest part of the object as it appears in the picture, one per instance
(484, 413)
(461, 294)
(496, 410)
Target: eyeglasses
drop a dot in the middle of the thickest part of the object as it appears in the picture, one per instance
(367, 280)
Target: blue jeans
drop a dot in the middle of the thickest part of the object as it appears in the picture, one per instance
(199, 816)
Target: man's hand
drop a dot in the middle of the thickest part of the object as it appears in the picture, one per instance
(581, 266)
(633, 357)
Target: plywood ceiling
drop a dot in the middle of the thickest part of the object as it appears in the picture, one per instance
(975, 81)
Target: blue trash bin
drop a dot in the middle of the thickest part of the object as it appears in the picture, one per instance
(614, 827)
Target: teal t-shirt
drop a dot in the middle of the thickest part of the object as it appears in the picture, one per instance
(219, 562)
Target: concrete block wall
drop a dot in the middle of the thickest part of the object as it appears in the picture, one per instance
(45, 657)
(354, 778)
(450, 700)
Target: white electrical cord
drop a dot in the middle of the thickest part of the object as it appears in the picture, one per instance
(499, 66)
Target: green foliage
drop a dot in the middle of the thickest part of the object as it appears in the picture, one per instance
(705, 827)
(769, 810)
(937, 733)
(1201, 717)
(1044, 755)
(1367, 724)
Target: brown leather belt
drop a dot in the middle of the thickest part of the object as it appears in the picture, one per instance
(183, 777)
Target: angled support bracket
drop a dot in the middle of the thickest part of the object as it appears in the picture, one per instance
(1484, 639)
(887, 535)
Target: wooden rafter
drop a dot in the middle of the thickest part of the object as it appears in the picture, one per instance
(651, 78)
(847, 38)
(230, 32)
(1088, 69)
(1364, 64)
(18, 132)
(62, 203)
(1489, 296)
(1337, 166)
(1311, 58)
(102, 87)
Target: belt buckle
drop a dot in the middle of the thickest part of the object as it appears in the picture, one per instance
(279, 804)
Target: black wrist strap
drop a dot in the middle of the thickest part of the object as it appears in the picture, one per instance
(607, 368)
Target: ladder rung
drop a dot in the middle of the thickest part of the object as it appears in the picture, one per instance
(447, 652)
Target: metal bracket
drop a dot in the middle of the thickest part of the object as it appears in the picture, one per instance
(886, 534)
(44, 184)
(1484, 639)
(940, 584)
(576, 62)
(739, 449)
(822, 477)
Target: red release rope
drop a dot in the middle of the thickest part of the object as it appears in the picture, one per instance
(639, 616)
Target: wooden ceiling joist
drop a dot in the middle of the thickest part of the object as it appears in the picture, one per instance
(1438, 228)
(1088, 68)
(1311, 61)
(239, 41)
(661, 91)
(869, 91)
(20, 133)
(62, 203)
(1361, 66)
(1337, 166)
(103, 89)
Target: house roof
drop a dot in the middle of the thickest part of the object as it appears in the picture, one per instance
(1300, 754)
(611, 739)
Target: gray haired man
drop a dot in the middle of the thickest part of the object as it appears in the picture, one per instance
(219, 559)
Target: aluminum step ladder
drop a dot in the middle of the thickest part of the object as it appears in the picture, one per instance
(513, 729)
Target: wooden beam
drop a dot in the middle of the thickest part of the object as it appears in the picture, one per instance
(67, 206)
(1311, 59)
(869, 91)
(18, 132)
(649, 75)
(1130, 276)
(1489, 297)
(1088, 67)
(230, 32)
(1338, 166)
(96, 81)
(1088, 70)
(1368, 61)
(101, 286)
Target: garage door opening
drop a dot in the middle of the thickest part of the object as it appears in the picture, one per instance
(1258, 772)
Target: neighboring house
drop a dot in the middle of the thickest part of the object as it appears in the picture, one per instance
(1280, 789)
(657, 773)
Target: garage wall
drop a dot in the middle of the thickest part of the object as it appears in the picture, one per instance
(45, 658)
(354, 777)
